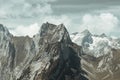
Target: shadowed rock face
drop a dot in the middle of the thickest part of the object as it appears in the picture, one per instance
(49, 55)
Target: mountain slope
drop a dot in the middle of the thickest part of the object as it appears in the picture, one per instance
(106, 67)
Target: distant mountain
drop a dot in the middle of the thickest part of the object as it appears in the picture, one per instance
(101, 55)
(96, 45)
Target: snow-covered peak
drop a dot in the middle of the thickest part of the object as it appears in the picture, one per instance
(82, 38)
(96, 45)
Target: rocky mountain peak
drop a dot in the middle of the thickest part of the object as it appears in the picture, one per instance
(86, 32)
(103, 35)
(51, 33)
(3, 29)
(4, 33)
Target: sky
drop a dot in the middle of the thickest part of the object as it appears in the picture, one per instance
(25, 17)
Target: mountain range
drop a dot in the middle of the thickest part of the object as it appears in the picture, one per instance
(53, 54)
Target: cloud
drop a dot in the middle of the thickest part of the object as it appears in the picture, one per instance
(102, 23)
(57, 20)
(26, 30)
(34, 28)
(24, 8)
(27, 15)
(24, 17)
(96, 23)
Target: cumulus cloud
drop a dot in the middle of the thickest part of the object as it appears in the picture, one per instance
(24, 17)
(34, 28)
(35, 12)
(26, 30)
(57, 20)
(24, 8)
(102, 23)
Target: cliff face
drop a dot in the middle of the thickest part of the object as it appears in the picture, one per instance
(49, 55)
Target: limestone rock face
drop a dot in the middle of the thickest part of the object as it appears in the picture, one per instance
(49, 55)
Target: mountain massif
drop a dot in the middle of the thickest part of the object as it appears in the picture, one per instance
(53, 54)
(49, 55)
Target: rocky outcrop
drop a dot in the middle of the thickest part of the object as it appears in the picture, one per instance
(49, 55)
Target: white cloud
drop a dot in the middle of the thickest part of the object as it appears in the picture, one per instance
(21, 12)
(24, 17)
(26, 30)
(24, 8)
(34, 28)
(57, 20)
(102, 23)
(40, 11)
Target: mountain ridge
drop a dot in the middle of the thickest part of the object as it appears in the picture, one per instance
(53, 54)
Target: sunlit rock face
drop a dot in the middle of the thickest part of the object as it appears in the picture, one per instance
(49, 55)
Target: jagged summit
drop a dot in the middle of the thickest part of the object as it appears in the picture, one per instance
(4, 34)
(86, 32)
(103, 35)
(4, 31)
(53, 33)
(3, 28)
